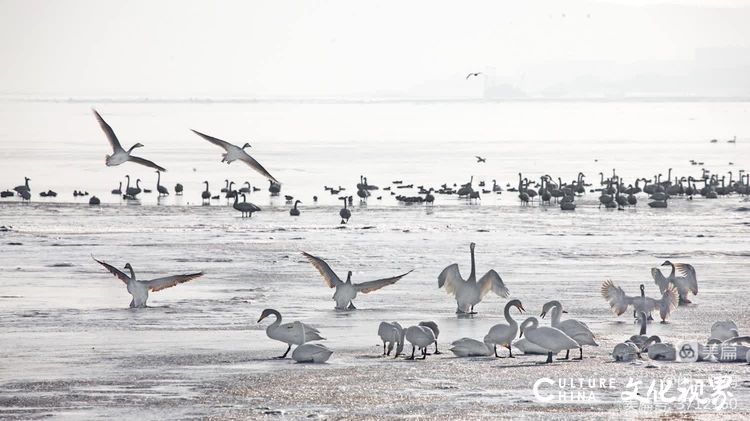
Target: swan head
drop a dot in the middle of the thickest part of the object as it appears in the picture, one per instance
(349, 277)
(127, 266)
(267, 312)
(246, 145)
(643, 288)
(471, 246)
(667, 263)
(517, 304)
(549, 305)
(531, 321)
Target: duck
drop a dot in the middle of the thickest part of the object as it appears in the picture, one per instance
(503, 334)
(470, 292)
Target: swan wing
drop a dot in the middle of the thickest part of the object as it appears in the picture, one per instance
(252, 163)
(370, 286)
(109, 132)
(659, 279)
(688, 272)
(451, 278)
(146, 162)
(329, 276)
(492, 281)
(668, 302)
(159, 284)
(215, 141)
(616, 297)
(114, 271)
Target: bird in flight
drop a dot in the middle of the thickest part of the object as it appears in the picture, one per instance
(139, 288)
(480, 159)
(236, 153)
(120, 155)
(473, 74)
(346, 291)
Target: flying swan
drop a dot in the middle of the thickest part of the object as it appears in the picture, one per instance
(234, 153)
(119, 154)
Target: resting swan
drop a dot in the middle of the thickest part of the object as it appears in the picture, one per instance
(619, 301)
(724, 330)
(289, 333)
(307, 352)
(502, 334)
(685, 284)
(434, 328)
(549, 338)
(467, 347)
(573, 328)
(470, 292)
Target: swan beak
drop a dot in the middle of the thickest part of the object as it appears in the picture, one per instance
(565, 311)
(520, 308)
(261, 318)
(521, 335)
(544, 313)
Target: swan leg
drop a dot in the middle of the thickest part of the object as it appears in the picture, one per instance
(567, 355)
(287, 351)
(436, 349)
(549, 358)
(472, 310)
(384, 349)
(510, 352)
(132, 303)
(580, 357)
(351, 306)
(412, 353)
(494, 347)
(424, 353)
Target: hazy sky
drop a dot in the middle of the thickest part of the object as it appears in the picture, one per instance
(340, 48)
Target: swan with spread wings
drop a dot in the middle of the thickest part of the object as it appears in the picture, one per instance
(620, 301)
(346, 291)
(686, 283)
(469, 292)
(139, 289)
(119, 154)
(234, 153)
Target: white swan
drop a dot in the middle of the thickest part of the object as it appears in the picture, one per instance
(419, 337)
(435, 330)
(307, 352)
(347, 291)
(577, 330)
(467, 347)
(234, 153)
(287, 332)
(685, 284)
(662, 352)
(619, 301)
(549, 338)
(724, 330)
(392, 334)
(470, 292)
(625, 352)
(528, 348)
(120, 155)
(139, 289)
(502, 334)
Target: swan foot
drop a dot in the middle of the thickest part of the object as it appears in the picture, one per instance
(436, 353)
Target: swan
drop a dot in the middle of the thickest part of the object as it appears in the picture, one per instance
(662, 352)
(470, 292)
(294, 211)
(577, 330)
(419, 337)
(686, 283)
(206, 194)
(347, 291)
(287, 332)
(120, 155)
(502, 334)
(391, 334)
(619, 301)
(132, 192)
(118, 190)
(345, 213)
(641, 337)
(549, 338)
(433, 327)
(245, 208)
(528, 348)
(159, 188)
(178, 188)
(307, 352)
(467, 347)
(625, 352)
(724, 330)
(234, 153)
(23, 187)
(139, 289)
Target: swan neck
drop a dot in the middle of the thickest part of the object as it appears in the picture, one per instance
(644, 322)
(473, 273)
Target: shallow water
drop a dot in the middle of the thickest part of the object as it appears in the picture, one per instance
(71, 347)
